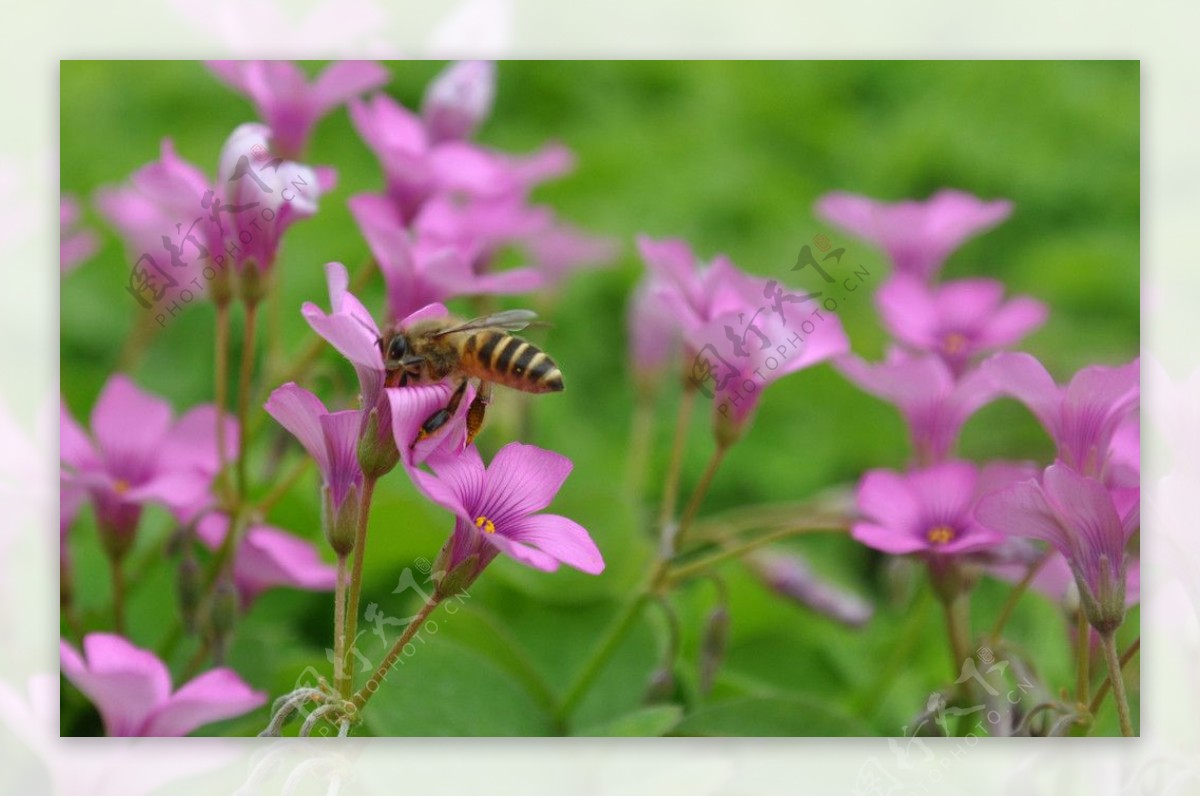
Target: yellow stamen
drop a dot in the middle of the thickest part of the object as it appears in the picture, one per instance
(940, 535)
(121, 487)
(954, 343)
(483, 523)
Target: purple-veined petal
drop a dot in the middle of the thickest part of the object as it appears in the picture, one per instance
(525, 554)
(299, 411)
(1021, 376)
(522, 480)
(560, 537)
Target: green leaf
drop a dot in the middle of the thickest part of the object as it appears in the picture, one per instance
(443, 689)
(771, 716)
(649, 721)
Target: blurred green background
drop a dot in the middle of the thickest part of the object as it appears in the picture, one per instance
(731, 157)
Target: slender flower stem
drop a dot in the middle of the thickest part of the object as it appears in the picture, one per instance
(117, 569)
(683, 422)
(689, 513)
(361, 697)
(1129, 653)
(243, 402)
(1109, 643)
(1015, 595)
(957, 611)
(339, 626)
(702, 566)
(355, 590)
(641, 427)
(600, 655)
(221, 384)
(1083, 658)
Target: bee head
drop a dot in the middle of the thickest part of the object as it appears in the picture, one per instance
(396, 352)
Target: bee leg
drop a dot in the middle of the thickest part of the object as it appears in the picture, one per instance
(477, 409)
(440, 418)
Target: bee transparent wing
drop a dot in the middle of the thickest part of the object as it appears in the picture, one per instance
(508, 320)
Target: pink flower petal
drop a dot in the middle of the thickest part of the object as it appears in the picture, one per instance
(1020, 375)
(886, 539)
(561, 538)
(129, 424)
(299, 411)
(125, 683)
(344, 80)
(459, 99)
(215, 695)
(522, 480)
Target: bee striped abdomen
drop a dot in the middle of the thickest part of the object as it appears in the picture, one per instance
(496, 356)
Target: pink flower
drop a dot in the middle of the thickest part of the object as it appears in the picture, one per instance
(935, 404)
(421, 161)
(331, 439)
(1081, 417)
(422, 271)
(76, 244)
(351, 329)
(288, 103)
(268, 557)
(162, 217)
(956, 320)
(929, 510)
(459, 100)
(1055, 579)
(410, 407)
(653, 333)
(1076, 515)
(694, 294)
(132, 689)
(417, 167)
(917, 235)
(496, 512)
(265, 196)
(140, 456)
(756, 344)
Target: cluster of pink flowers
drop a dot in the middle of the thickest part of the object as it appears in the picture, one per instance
(941, 369)
(451, 206)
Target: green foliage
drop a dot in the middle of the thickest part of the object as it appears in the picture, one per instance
(731, 157)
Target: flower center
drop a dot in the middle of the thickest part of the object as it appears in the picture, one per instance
(484, 523)
(940, 535)
(954, 342)
(121, 487)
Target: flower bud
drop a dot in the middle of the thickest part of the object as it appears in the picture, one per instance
(190, 588)
(377, 452)
(712, 649)
(661, 686)
(1105, 608)
(459, 99)
(450, 583)
(253, 282)
(222, 617)
(790, 576)
(340, 522)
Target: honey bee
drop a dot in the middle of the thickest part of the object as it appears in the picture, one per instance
(434, 349)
